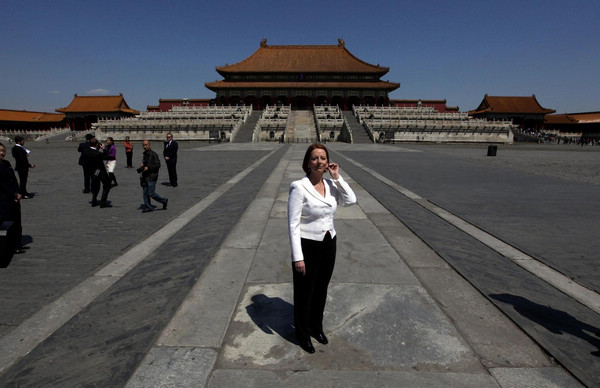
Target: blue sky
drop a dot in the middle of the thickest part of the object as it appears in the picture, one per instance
(453, 50)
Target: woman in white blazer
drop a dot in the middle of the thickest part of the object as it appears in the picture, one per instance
(312, 203)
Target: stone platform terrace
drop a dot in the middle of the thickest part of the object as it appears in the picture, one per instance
(200, 294)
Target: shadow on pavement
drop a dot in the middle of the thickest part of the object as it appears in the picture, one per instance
(555, 321)
(273, 315)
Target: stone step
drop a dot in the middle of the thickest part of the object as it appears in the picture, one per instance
(301, 127)
(359, 133)
(245, 132)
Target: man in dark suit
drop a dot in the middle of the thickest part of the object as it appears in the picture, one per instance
(87, 179)
(22, 165)
(94, 156)
(10, 210)
(170, 155)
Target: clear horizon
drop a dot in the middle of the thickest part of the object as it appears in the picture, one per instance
(437, 50)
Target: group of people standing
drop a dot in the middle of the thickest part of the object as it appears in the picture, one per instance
(98, 161)
(11, 193)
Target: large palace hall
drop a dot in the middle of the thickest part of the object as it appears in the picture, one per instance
(302, 76)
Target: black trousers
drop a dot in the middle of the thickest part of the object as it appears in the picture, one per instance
(310, 290)
(23, 174)
(172, 169)
(11, 211)
(87, 179)
(103, 179)
(129, 156)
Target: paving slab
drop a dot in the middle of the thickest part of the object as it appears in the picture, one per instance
(337, 378)
(370, 327)
(532, 377)
(175, 367)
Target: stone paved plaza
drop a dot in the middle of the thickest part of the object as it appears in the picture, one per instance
(200, 294)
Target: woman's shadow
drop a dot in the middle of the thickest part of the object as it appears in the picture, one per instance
(273, 315)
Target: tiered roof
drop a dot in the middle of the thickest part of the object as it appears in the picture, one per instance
(506, 105)
(82, 104)
(302, 59)
(29, 116)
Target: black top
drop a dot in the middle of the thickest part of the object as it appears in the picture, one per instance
(171, 149)
(94, 160)
(151, 160)
(9, 187)
(21, 161)
(81, 149)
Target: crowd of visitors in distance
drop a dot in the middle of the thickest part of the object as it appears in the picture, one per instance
(552, 138)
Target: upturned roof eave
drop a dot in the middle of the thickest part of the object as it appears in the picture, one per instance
(99, 104)
(10, 115)
(497, 105)
(263, 57)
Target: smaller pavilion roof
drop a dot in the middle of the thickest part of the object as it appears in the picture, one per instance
(30, 116)
(81, 104)
(559, 119)
(518, 105)
(573, 118)
(586, 118)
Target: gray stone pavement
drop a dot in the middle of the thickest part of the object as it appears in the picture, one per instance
(200, 295)
(426, 187)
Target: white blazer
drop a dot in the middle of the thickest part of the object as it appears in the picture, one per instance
(310, 215)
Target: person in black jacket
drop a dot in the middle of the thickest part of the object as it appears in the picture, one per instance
(87, 179)
(94, 160)
(170, 155)
(10, 208)
(22, 165)
(149, 170)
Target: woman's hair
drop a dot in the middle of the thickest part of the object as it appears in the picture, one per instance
(309, 151)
